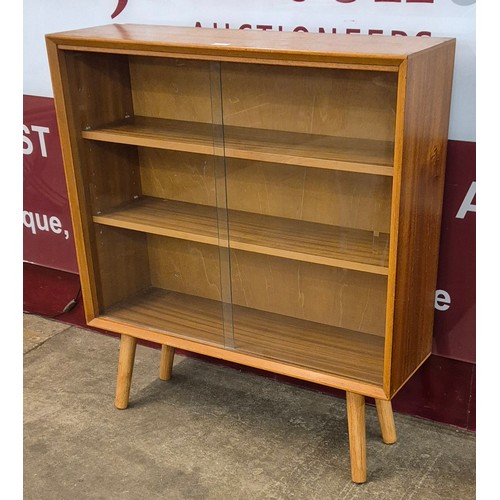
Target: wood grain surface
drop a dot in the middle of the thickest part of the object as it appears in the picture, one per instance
(317, 243)
(308, 150)
(333, 350)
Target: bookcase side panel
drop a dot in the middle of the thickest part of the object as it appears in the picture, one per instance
(428, 94)
(123, 264)
(95, 91)
(68, 137)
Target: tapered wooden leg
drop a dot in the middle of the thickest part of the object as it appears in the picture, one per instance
(166, 361)
(125, 368)
(386, 420)
(357, 435)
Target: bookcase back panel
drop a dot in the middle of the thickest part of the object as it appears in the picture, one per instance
(177, 89)
(331, 296)
(328, 295)
(345, 103)
(338, 198)
(185, 267)
(333, 197)
(178, 176)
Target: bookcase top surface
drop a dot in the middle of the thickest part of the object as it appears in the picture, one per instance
(223, 43)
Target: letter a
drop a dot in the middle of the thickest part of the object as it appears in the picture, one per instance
(467, 205)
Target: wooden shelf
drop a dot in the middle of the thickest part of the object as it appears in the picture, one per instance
(172, 312)
(321, 347)
(308, 150)
(299, 240)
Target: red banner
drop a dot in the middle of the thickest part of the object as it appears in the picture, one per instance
(48, 236)
(455, 319)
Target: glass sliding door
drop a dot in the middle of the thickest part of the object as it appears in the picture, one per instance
(148, 164)
(309, 165)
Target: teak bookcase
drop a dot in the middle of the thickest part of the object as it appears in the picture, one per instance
(268, 198)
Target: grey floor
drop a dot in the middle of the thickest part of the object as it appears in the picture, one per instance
(211, 432)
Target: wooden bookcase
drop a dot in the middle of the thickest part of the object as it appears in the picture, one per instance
(268, 198)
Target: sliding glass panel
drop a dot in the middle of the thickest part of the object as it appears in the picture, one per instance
(309, 169)
(149, 160)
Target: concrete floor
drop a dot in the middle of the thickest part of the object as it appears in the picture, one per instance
(211, 432)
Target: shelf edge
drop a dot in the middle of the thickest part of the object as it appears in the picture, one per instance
(321, 378)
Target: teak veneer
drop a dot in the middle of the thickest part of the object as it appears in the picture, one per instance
(267, 198)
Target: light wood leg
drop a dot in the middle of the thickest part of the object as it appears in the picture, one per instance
(357, 435)
(386, 420)
(166, 361)
(125, 368)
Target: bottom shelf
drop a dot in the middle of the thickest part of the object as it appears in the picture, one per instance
(323, 348)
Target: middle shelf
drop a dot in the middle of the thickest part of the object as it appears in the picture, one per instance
(355, 249)
(308, 150)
